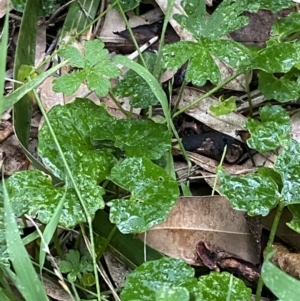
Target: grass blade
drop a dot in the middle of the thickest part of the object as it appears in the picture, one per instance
(28, 282)
(3, 51)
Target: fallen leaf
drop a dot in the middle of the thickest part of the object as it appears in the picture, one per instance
(227, 124)
(209, 219)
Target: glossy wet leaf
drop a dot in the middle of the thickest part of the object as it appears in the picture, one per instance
(73, 125)
(256, 194)
(273, 130)
(218, 286)
(172, 294)
(288, 165)
(277, 57)
(95, 67)
(295, 222)
(145, 280)
(32, 192)
(202, 66)
(137, 137)
(223, 107)
(282, 285)
(281, 89)
(152, 195)
(225, 19)
(271, 173)
(134, 86)
(284, 27)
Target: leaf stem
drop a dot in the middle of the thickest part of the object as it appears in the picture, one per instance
(132, 35)
(269, 246)
(247, 77)
(82, 202)
(157, 66)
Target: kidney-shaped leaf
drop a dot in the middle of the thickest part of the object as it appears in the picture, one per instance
(32, 192)
(73, 124)
(277, 57)
(139, 138)
(217, 287)
(272, 131)
(153, 193)
(255, 193)
(172, 294)
(144, 281)
(288, 165)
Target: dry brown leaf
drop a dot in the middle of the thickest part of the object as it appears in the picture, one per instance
(55, 291)
(114, 23)
(209, 219)
(3, 7)
(287, 261)
(40, 47)
(48, 97)
(227, 124)
(14, 158)
(6, 129)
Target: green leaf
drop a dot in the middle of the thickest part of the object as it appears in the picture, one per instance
(153, 84)
(88, 279)
(136, 137)
(150, 276)
(288, 165)
(281, 285)
(153, 194)
(284, 27)
(277, 57)
(166, 293)
(273, 130)
(225, 19)
(272, 174)
(134, 86)
(97, 83)
(94, 64)
(73, 55)
(50, 230)
(295, 222)
(255, 194)
(281, 89)
(74, 265)
(273, 6)
(74, 124)
(33, 193)
(69, 83)
(224, 107)
(220, 287)
(202, 66)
